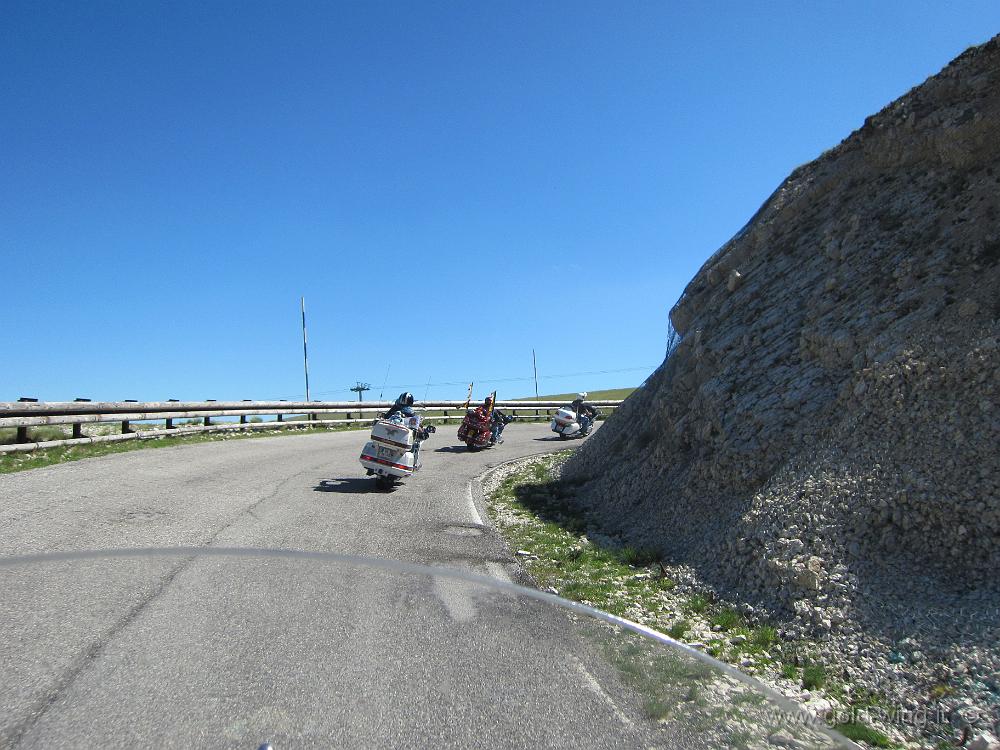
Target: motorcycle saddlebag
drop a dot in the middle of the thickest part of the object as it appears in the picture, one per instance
(472, 426)
(565, 417)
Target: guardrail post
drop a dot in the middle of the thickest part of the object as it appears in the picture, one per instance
(78, 426)
(243, 417)
(22, 432)
(126, 427)
(169, 423)
(281, 416)
(207, 421)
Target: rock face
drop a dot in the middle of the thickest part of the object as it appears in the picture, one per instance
(830, 420)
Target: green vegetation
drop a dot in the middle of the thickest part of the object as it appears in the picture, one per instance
(727, 619)
(764, 637)
(667, 679)
(639, 558)
(861, 733)
(24, 460)
(538, 518)
(813, 676)
(697, 604)
(679, 629)
(38, 434)
(941, 690)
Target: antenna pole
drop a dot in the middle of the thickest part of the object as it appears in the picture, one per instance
(388, 367)
(305, 353)
(534, 366)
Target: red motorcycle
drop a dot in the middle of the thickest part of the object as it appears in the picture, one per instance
(475, 429)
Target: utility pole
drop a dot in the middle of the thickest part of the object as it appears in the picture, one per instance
(388, 367)
(534, 365)
(305, 354)
(360, 388)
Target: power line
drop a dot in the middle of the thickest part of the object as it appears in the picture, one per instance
(411, 386)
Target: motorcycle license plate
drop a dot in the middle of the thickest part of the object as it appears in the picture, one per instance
(384, 452)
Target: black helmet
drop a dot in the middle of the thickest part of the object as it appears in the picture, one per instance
(488, 400)
(405, 399)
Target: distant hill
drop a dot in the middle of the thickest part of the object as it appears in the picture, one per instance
(612, 393)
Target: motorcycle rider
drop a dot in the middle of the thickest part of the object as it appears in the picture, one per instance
(485, 409)
(499, 420)
(585, 413)
(404, 409)
(486, 414)
(403, 405)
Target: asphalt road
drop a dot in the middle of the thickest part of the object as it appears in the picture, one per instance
(223, 652)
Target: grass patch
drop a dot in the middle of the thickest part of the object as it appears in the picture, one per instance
(539, 515)
(639, 558)
(37, 434)
(679, 629)
(698, 604)
(763, 637)
(860, 733)
(813, 676)
(667, 679)
(727, 619)
(941, 690)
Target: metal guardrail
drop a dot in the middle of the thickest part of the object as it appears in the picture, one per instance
(25, 414)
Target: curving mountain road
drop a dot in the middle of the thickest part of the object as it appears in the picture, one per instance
(210, 652)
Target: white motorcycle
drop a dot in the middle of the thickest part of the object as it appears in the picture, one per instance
(566, 425)
(392, 452)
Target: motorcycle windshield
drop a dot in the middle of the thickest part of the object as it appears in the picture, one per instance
(229, 648)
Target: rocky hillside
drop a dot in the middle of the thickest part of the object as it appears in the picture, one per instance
(826, 438)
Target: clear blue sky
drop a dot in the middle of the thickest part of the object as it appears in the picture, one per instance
(447, 184)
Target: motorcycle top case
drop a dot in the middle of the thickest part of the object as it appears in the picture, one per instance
(565, 417)
(392, 435)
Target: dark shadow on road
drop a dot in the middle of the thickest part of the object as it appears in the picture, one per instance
(453, 449)
(348, 484)
(553, 439)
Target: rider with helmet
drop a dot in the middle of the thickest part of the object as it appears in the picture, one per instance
(498, 420)
(403, 405)
(486, 414)
(585, 413)
(402, 410)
